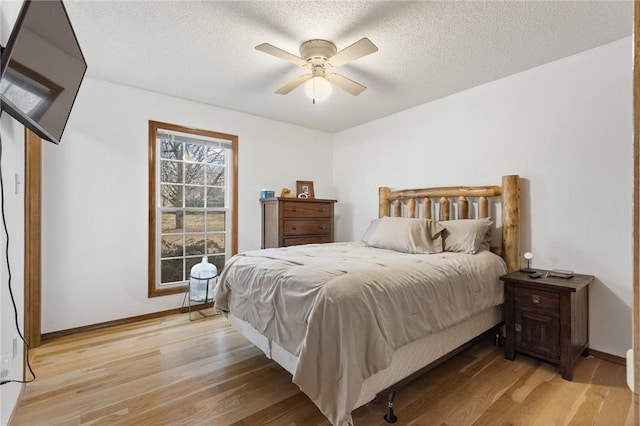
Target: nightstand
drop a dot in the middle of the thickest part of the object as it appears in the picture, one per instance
(547, 318)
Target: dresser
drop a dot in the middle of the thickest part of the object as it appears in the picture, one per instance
(294, 221)
(547, 317)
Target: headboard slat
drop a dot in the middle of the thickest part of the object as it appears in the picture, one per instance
(397, 204)
(412, 207)
(463, 207)
(427, 208)
(444, 208)
(484, 206)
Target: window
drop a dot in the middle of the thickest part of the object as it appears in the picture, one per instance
(192, 203)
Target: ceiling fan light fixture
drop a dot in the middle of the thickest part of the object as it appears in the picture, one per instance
(318, 88)
(318, 56)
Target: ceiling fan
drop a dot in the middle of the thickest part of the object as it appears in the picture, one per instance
(319, 56)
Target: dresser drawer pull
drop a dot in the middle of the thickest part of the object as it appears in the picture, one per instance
(535, 298)
(518, 328)
(294, 210)
(294, 228)
(322, 228)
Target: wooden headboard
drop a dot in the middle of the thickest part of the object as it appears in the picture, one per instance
(408, 201)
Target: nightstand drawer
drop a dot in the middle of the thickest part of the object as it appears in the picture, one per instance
(293, 209)
(526, 298)
(307, 227)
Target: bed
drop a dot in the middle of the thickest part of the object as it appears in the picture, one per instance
(351, 320)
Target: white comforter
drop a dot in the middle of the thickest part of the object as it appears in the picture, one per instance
(344, 308)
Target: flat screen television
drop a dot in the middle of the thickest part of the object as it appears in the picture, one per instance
(42, 69)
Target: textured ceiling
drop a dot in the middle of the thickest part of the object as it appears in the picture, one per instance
(204, 50)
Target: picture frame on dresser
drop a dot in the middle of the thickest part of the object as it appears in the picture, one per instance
(305, 187)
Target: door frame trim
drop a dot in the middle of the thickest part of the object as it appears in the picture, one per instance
(32, 239)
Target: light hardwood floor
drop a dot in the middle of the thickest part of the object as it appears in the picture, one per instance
(172, 371)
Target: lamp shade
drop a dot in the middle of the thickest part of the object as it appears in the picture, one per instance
(318, 88)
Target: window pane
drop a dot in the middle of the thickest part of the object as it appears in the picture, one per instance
(171, 171)
(195, 244)
(172, 150)
(215, 222)
(195, 222)
(171, 246)
(172, 222)
(215, 243)
(215, 175)
(194, 196)
(215, 155)
(194, 174)
(217, 260)
(192, 261)
(215, 197)
(195, 153)
(171, 271)
(171, 195)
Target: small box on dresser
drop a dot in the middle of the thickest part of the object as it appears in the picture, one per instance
(295, 221)
(547, 318)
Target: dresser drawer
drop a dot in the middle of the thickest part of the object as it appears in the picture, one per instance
(527, 298)
(295, 241)
(307, 227)
(294, 209)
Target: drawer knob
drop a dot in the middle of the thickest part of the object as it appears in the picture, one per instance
(322, 228)
(535, 298)
(294, 210)
(518, 328)
(294, 228)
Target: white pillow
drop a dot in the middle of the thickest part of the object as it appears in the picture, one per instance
(467, 235)
(370, 230)
(405, 235)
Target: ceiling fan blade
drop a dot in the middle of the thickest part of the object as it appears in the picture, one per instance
(293, 84)
(279, 53)
(344, 83)
(360, 48)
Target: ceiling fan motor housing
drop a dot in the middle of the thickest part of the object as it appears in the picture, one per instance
(316, 52)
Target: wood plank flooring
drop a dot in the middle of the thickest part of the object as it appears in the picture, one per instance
(169, 371)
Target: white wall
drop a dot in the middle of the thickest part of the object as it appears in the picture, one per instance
(12, 134)
(12, 164)
(95, 202)
(564, 127)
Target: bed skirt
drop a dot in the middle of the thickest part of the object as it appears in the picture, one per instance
(406, 360)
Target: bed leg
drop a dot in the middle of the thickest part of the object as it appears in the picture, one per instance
(390, 417)
(498, 339)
